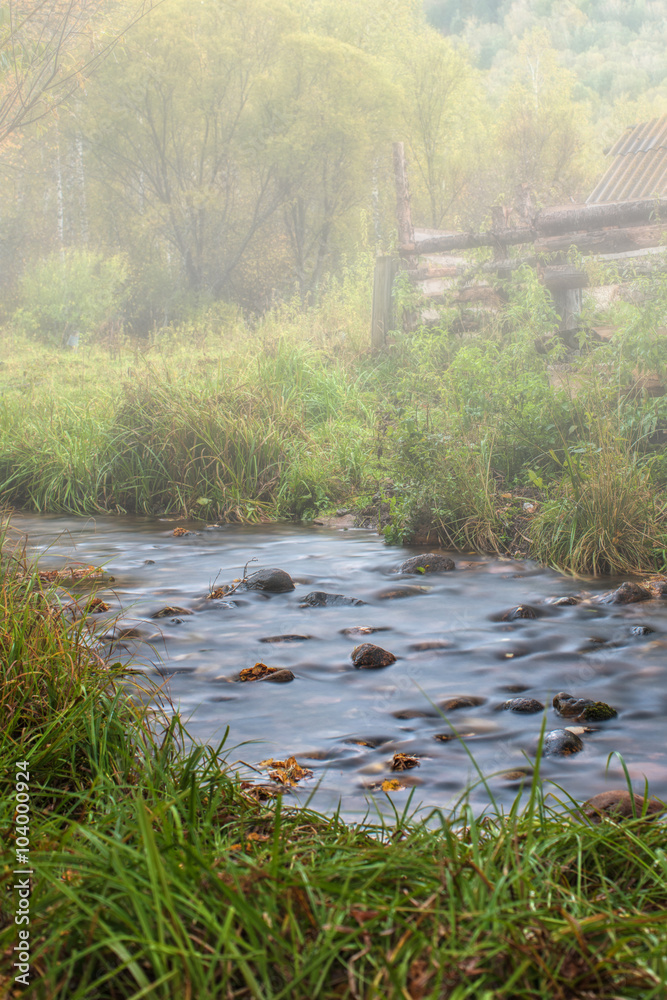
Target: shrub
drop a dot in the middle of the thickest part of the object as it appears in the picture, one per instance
(70, 293)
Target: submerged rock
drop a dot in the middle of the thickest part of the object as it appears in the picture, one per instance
(320, 599)
(286, 638)
(370, 656)
(428, 644)
(465, 701)
(359, 630)
(617, 804)
(561, 743)
(526, 705)
(396, 593)
(517, 613)
(273, 581)
(637, 630)
(429, 562)
(170, 612)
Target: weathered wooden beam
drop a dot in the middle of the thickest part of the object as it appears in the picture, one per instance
(553, 222)
(606, 240)
(563, 277)
(382, 319)
(406, 233)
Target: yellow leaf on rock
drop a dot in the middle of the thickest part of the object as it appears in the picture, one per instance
(392, 785)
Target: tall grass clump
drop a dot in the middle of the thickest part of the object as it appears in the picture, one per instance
(58, 698)
(604, 517)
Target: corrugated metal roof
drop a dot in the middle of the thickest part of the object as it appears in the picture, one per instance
(639, 166)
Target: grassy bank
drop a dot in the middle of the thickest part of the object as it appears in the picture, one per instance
(159, 874)
(505, 438)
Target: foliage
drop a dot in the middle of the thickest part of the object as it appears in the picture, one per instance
(71, 293)
(293, 417)
(243, 152)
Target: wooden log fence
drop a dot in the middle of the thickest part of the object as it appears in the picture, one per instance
(623, 232)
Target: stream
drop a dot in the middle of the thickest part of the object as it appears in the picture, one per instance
(346, 724)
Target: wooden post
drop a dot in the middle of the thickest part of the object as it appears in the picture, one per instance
(568, 306)
(383, 310)
(406, 233)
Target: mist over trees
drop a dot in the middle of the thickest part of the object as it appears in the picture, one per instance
(241, 151)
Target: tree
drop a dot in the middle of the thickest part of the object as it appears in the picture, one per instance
(49, 47)
(342, 117)
(543, 134)
(443, 116)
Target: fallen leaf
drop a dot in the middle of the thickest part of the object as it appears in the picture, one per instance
(404, 761)
(392, 785)
(257, 672)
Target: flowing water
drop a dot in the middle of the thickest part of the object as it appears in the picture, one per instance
(345, 723)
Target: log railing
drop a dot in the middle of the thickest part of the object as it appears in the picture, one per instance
(624, 230)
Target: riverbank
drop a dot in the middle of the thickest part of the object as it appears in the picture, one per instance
(156, 872)
(504, 440)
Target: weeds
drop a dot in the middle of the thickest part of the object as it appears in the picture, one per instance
(468, 432)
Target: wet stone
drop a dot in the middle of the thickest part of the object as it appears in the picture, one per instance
(561, 743)
(569, 706)
(97, 606)
(565, 602)
(286, 638)
(126, 633)
(369, 741)
(466, 701)
(599, 711)
(583, 708)
(170, 612)
(617, 804)
(320, 599)
(257, 673)
(657, 586)
(396, 593)
(278, 677)
(521, 611)
(638, 630)
(430, 562)
(369, 656)
(414, 713)
(358, 630)
(526, 705)
(273, 581)
(627, 593)
(593, 644)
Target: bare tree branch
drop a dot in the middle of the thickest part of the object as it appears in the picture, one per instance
(49, 47)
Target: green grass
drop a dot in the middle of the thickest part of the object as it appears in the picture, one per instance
(158, 874)
(293, 416)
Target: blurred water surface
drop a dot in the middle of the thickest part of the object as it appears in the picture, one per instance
(346, 724)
